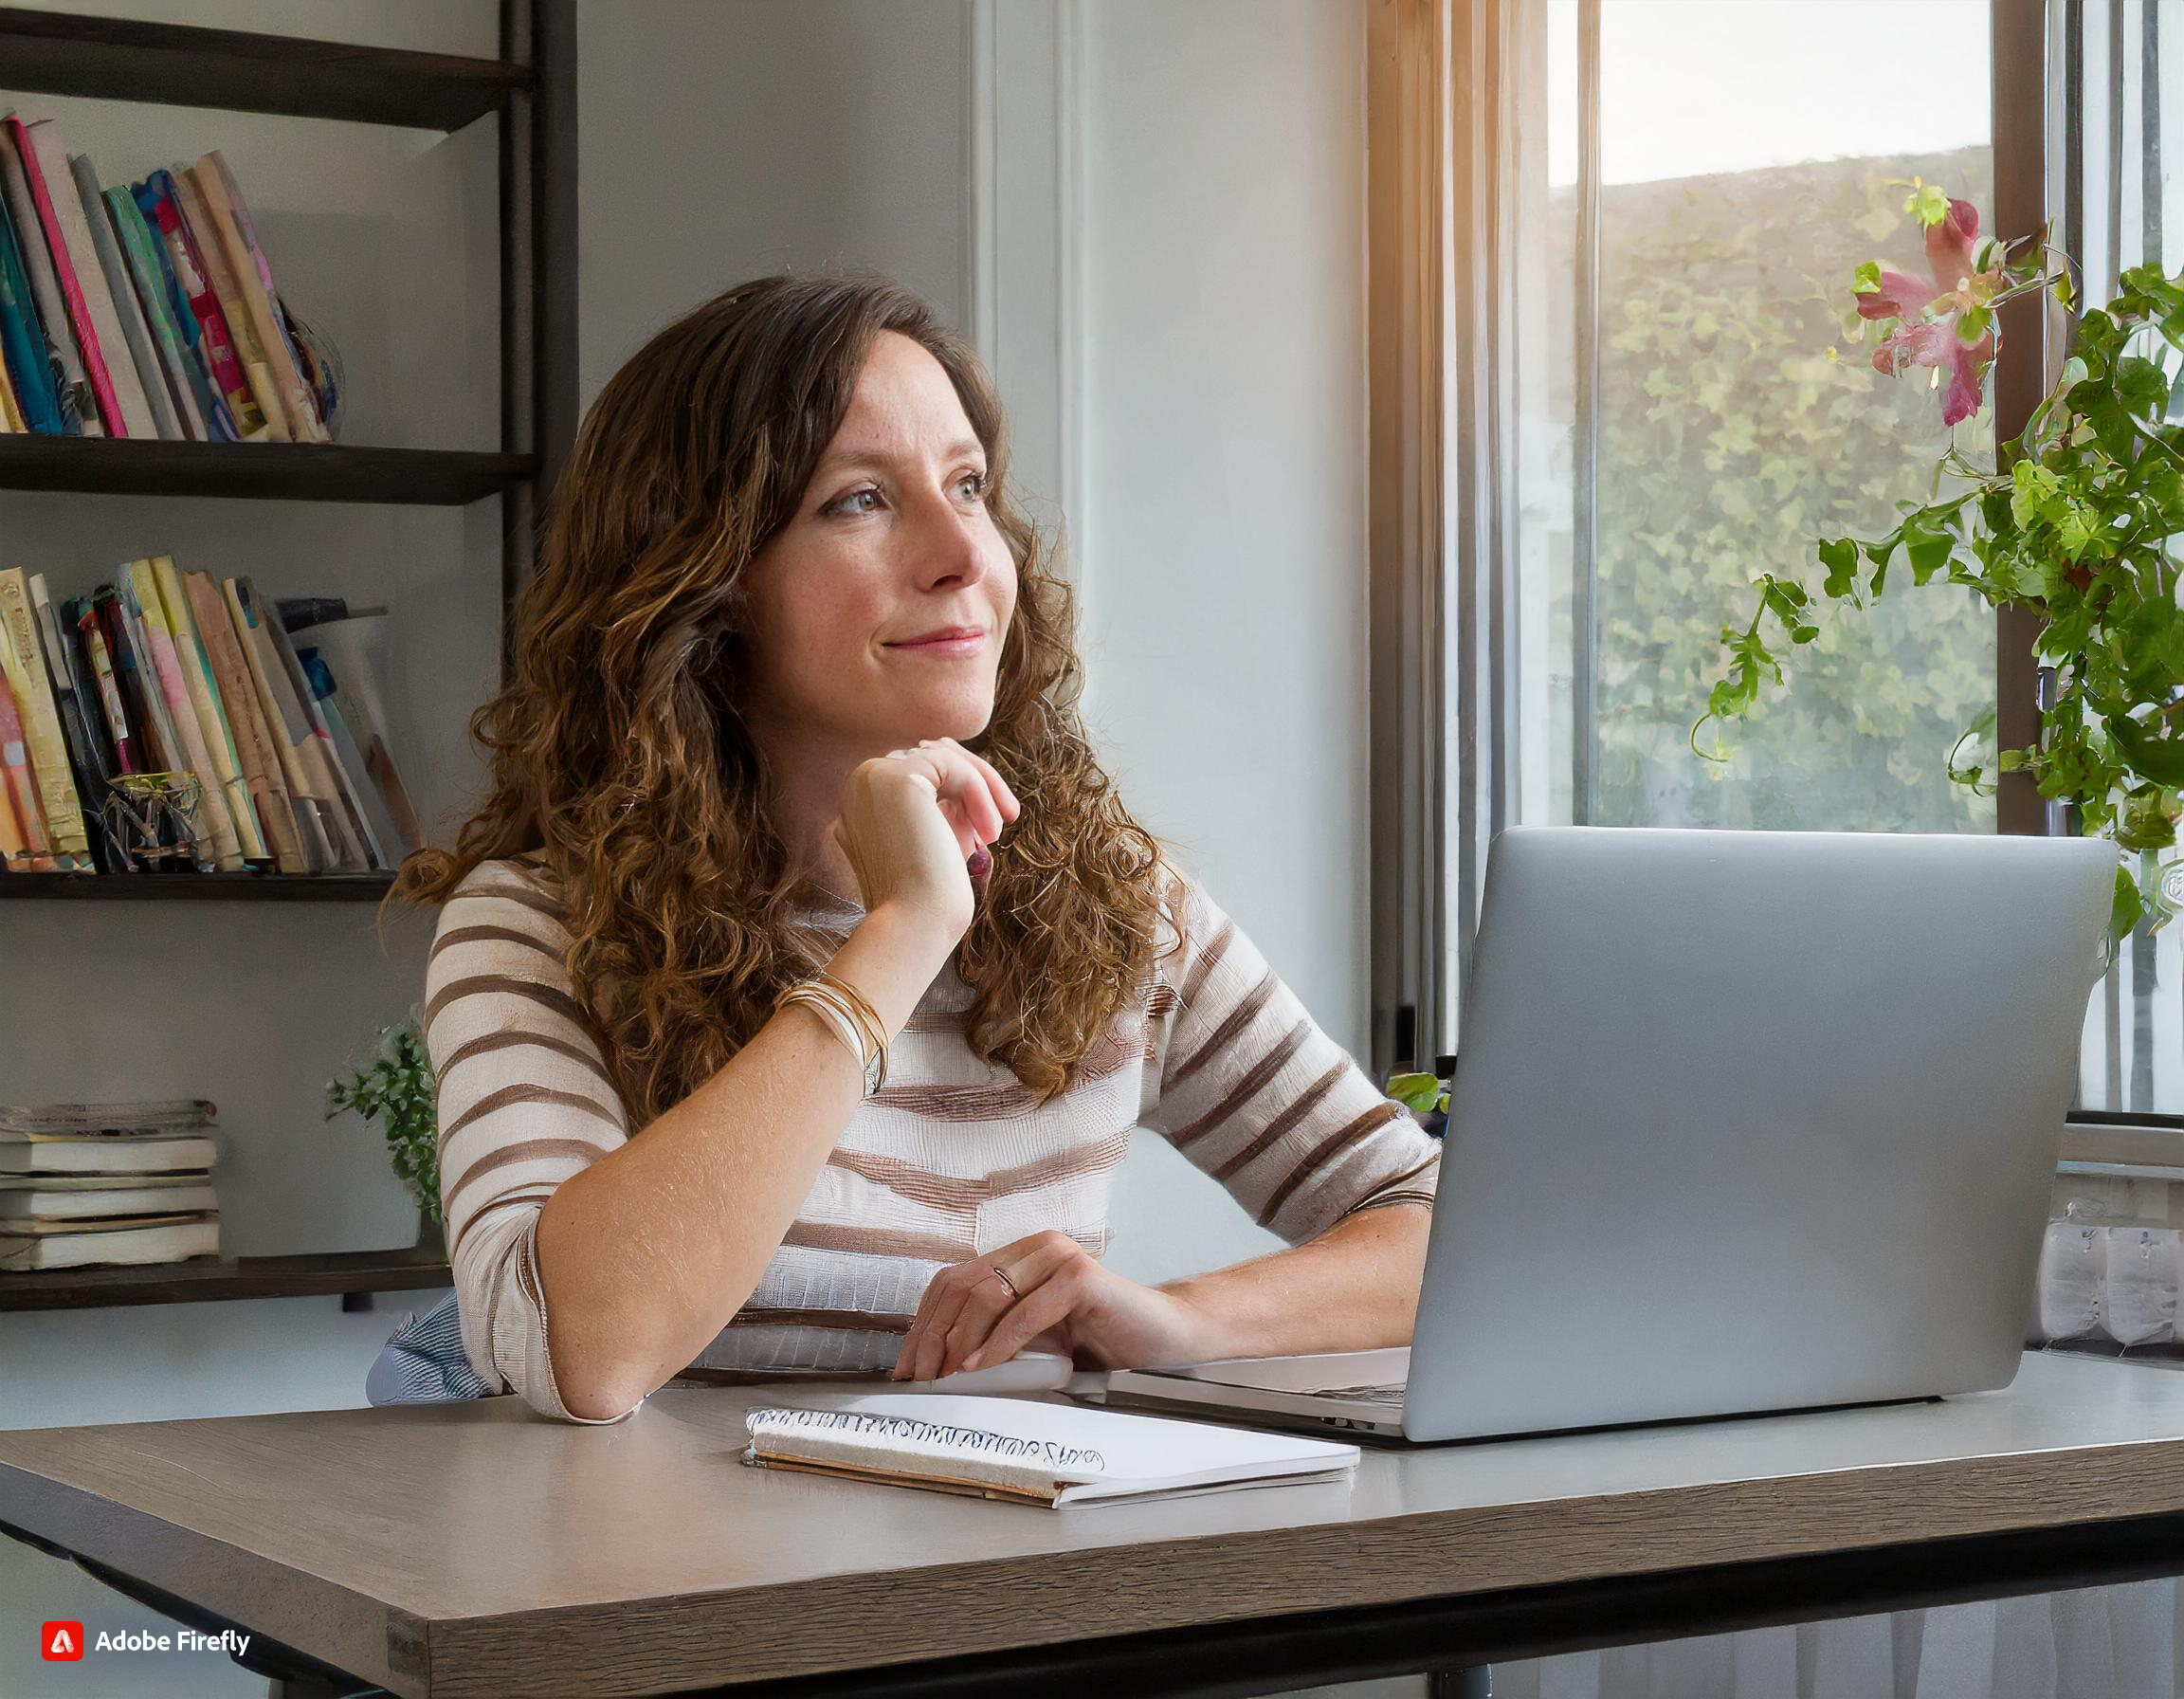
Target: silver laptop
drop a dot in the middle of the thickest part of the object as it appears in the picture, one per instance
(1743, 1122)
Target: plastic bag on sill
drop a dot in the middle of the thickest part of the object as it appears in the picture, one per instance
(2073, 1261)
(2138, 1285)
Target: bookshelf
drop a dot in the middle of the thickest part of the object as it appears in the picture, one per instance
(529, 90)
(206, 1280)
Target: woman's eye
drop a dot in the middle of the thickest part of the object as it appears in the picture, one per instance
(974, 478)
(855, 495)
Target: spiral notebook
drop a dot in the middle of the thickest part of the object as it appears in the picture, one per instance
(1028, 1450)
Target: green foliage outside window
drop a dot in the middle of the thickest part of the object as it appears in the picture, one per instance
(1728, 440)
(2073, 519)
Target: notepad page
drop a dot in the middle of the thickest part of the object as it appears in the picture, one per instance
(1063, 1451)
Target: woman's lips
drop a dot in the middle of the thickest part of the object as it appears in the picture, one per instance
(944, 645)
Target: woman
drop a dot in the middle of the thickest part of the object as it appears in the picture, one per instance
(794, 694)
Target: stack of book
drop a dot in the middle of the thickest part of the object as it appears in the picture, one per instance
(95, 1183)
(268, 762)
(146, 309)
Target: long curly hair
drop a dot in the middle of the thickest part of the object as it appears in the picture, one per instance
(618, 752)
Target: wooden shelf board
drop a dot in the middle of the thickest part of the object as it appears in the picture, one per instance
(257, 471)
(183, 65)
(217, 888)
(204, 1280)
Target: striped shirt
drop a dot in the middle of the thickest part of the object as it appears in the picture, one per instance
(950, 1158)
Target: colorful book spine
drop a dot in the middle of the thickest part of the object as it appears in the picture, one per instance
(399, 826)
(141, 595)
(144, 391)
(98, 658)
(32, 375)
(14, 847)
(211, 253)
(146, 713)
(87, 758)
(317, 808)
(79, 406)
(218, 423)
(205, 699)
(232, 216)
(254, 745)
(286, 730)
(131, 669)
(23, 657)
(140, 253)
(348, 782)
(29, 849)
(49, 181)
(216, 342)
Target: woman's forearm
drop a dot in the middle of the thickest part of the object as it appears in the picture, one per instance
(1353, 1288)
(647, 1253)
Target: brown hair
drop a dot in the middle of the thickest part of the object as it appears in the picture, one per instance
(617, 749)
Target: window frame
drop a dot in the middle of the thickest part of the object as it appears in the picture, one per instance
(1440, 480)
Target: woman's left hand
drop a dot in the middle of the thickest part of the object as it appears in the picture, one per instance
(968, 1319)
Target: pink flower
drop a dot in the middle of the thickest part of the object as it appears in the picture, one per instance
(1927, 333)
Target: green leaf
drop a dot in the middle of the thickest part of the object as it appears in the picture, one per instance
(2125, 907)
(1972, 324)
(1928, 204)
(2161, 759)
(1414, 1091)
(1867, 280)
(1839, 554)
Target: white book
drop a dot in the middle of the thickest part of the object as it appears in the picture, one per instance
(49, 1183)
(70, 1204)
(1028, 1449)
(46, 1226)
(79, 1120)
(173, 1243)
(38, 1155)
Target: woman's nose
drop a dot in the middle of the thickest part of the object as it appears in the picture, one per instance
(952, 544)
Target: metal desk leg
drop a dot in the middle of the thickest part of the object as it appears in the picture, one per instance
(303, 1687)
(1477, 1683)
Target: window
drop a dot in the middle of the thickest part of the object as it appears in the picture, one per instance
(1611, 243)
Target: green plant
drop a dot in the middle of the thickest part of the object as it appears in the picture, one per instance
(2073, 521)
(1419, 1091)
(396, 1090)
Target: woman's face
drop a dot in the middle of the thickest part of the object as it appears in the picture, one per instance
(891, 543)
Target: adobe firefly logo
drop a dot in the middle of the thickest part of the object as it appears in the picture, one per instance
(61, 1642)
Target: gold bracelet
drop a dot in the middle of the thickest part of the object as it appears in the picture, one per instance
(875, 1027)
(843, 1023)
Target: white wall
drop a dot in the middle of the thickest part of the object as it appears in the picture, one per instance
(1223, 266)
(1211, 363)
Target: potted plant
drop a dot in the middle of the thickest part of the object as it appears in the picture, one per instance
(395, 1088)
(2074, 520)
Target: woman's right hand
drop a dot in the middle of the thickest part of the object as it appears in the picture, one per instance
(911, 822)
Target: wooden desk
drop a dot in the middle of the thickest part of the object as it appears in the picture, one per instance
(476, 1549)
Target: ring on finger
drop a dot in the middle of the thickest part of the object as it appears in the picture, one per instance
(1002, 1276)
